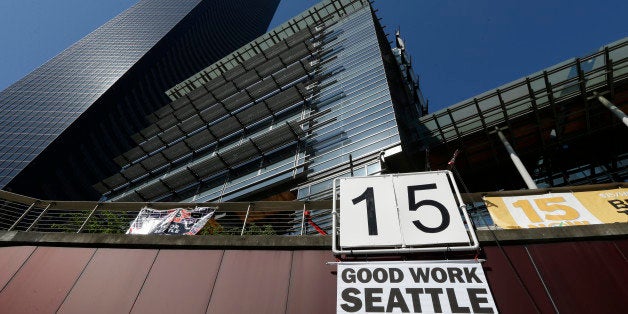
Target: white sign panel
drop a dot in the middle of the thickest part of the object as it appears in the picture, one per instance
(428, 211)
(421, 287)
(371, 217)
(407, 210)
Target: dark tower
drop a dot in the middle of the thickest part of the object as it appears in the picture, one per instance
(62, 124)
(321, 96)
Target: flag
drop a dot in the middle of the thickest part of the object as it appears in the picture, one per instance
(171, 221)
(151, 221)
(452, 161)
(189, 222)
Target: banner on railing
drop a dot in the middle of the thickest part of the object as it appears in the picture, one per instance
(559, 209)
(171, 221)
(413, 287)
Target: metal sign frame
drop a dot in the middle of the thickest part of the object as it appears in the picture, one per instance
(471, 245)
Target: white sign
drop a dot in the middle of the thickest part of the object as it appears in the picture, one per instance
(428, 210)
(406, 210)
(368, 212)
(418, 287)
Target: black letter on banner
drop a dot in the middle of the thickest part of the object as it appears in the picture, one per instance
(370, 209)
(416, 300)
(414, 206)
(396, 275)
(434, 292)
(435, 276)
(395, 300)
(419, 275)
(348, 278)
(477, 301)
(363, 279)
(382, 277)
(348, 297)
(453, 302)
(369, 299)
(470, 274)
(455, 273)
(618, 204)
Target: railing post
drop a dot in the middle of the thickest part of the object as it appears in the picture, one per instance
(303, 219)
(248, 210)
(88, 218)
(23, 215)
(43, 212)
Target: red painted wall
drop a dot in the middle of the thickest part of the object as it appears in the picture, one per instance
(573, 277)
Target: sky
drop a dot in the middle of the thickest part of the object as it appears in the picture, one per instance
(460, 48)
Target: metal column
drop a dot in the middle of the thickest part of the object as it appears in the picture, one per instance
(610, 106)
(515, 160)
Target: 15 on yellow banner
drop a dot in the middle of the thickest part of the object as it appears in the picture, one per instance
(558, 209)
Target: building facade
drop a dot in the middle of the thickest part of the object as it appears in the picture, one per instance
(62, 124)
(320, 96)
(323, 96)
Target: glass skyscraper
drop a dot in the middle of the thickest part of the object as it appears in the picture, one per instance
(321, 96)
(62, 125)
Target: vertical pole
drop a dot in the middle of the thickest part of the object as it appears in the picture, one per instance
(88, 218)
(43, 212)
(516, 161)
(610, 106)
(334, 220)
(303, 219)
(248, 210)
(22, 216)
(351, 164)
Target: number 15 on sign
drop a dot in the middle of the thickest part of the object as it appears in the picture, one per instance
(400, 210)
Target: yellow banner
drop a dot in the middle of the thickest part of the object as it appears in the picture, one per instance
(559, 209)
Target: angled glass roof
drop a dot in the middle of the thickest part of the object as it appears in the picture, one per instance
(573, 78)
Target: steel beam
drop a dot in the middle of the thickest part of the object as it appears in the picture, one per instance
(610, 106)
(516, 161)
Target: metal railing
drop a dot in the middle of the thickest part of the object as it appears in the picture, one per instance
(22, 213)
(285, 218)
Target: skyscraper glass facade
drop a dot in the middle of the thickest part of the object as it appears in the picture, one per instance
(314, 99)
(61, 125)
(361, 122)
